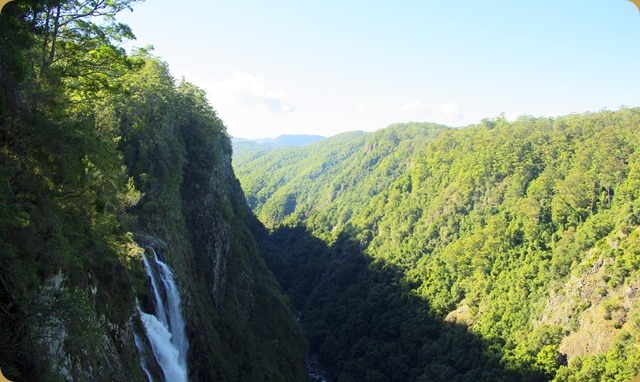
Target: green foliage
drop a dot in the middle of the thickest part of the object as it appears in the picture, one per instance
(65, 193)
(620, 362)
(96, 147)
(481, 224)
(326, 182)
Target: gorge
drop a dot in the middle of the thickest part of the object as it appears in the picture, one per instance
(136, 245)
(505, 250)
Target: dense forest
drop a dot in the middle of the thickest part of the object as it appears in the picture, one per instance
(500, 251)
(103, 157)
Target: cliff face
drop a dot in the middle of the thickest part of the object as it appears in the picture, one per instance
(62, 335)
(149, 167)
(238, 323)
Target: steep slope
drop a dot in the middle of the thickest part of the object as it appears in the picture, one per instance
(179, 155)
(327, 181)
(98, 166)
(513, 243)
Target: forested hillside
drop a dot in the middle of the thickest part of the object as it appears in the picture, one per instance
(502, 251)
(104, 157)
(336, 176)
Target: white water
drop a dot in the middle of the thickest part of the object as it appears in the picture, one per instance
(143, 359)
(316, 373)
(165, 326)
(176, 323)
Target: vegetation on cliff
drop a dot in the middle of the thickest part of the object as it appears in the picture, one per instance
(101, 152)
(179, 155)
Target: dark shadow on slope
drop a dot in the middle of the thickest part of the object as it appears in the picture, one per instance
(363, 322)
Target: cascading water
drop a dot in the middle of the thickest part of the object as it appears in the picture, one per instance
(164, 327)
(143, 359)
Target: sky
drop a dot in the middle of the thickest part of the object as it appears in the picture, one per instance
(325, 67)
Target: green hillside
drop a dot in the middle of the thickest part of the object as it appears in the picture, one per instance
(502, 251)
(326, 182)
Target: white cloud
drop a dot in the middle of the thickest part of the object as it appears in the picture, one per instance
(450, 113)
(244, 91)
(512, 116)
(447, 113)
(417, 106)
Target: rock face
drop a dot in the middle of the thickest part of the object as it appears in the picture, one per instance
(592, 312)
(238, 324)
(86, 183)
(205, 200)
(77, 343)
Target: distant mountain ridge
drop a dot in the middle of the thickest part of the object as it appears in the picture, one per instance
(244, 145)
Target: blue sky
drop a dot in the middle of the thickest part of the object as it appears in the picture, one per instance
(323, 67)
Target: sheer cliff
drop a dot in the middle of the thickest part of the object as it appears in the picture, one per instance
(105, 158)
(238, 323)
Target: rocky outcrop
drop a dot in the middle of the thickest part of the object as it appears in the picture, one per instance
(79, 345)
(592, 312)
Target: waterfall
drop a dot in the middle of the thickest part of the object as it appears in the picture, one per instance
(143, 358)
(164, 326)
(316, 374)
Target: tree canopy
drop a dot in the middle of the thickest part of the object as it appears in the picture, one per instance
(521, 234)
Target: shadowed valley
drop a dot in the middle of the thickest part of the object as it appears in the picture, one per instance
(522, 233)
